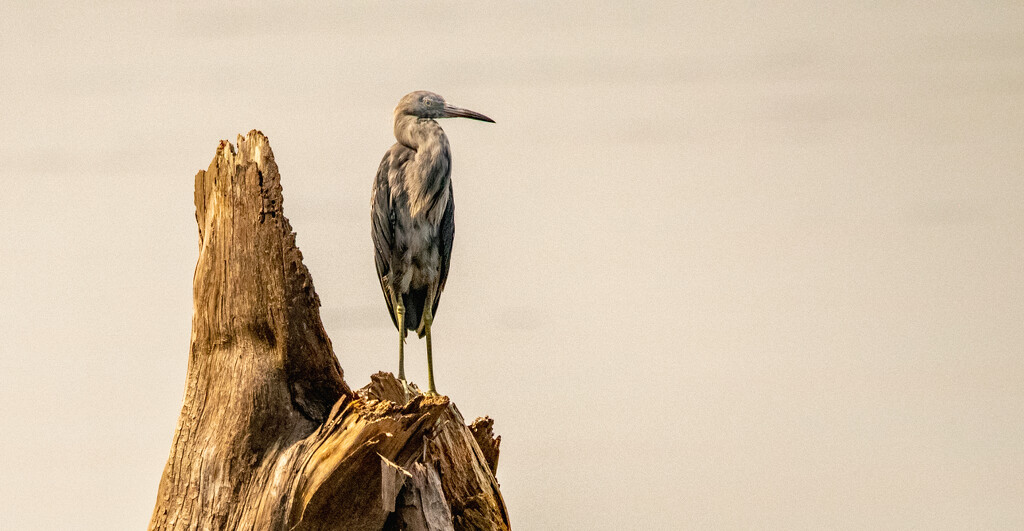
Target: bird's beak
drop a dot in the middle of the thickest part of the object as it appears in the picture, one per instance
(451, 111)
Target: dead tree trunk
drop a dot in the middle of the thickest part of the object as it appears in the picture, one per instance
(270, 436)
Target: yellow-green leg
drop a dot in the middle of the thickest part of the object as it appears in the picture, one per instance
(400, 317)
(428, 320)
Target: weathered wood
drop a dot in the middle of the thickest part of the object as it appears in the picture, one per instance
(483, 431)
(270, 436)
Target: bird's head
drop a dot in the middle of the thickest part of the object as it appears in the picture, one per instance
(424, 104)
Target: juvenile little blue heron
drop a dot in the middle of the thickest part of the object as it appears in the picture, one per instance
(413, 216)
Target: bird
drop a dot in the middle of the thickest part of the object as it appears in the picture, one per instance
(412, 213)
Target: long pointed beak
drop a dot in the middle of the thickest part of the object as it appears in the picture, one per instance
(451, 111)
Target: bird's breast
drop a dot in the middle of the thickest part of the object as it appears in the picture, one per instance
(419, 259)
(425, 179)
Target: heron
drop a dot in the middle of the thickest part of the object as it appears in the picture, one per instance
(412, 213)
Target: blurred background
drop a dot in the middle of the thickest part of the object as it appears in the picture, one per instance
(716, 266)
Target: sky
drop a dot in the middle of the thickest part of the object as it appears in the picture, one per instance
(722, 266)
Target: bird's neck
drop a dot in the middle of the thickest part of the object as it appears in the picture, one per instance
(414, 132)
(426, 138)
(427, 176)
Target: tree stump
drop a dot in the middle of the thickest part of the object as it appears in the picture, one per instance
(270, 436)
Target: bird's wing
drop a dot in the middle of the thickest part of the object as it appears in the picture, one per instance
(383, 229)
(445, 236)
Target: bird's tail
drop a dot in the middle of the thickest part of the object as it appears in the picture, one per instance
(415, 303)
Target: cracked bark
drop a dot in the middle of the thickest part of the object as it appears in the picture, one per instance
(270, 436)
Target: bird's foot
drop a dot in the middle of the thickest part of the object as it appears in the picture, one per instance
(431, 392)
(406, 390)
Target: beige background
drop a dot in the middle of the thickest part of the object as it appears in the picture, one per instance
(716, 266)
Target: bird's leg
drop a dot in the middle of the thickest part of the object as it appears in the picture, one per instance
(400, 312)
(400, 317)
(428, 319)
